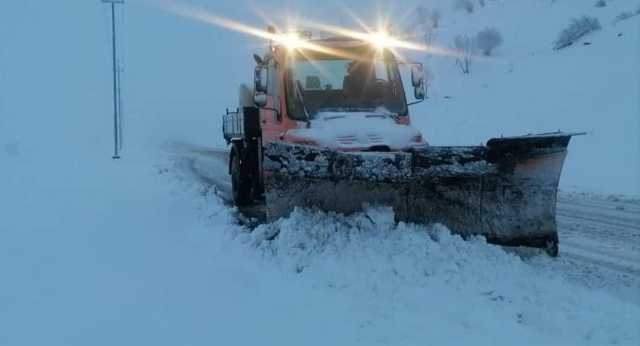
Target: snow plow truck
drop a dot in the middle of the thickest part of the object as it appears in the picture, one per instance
(326, 124)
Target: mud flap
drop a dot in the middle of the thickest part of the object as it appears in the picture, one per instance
(504, 191)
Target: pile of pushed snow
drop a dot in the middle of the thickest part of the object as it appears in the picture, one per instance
(422, 281)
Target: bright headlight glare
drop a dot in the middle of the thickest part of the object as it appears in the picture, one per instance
(291, 41)
(381, 39)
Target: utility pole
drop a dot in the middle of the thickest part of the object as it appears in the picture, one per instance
(116, 81)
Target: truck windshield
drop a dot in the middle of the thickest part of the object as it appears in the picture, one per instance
(364, 80)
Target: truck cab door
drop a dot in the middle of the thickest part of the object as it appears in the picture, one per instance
(271, 114)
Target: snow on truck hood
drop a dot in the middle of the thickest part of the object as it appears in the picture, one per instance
(357, 130)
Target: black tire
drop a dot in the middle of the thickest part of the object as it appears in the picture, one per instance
(240, 185)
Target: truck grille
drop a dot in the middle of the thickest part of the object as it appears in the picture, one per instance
(347, 140)
(375, 138)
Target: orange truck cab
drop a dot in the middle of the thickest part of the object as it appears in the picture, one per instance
(338, 93)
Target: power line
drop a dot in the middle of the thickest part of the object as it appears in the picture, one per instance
(116, 81)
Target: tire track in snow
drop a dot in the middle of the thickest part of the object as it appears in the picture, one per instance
(626, 208)
(601, 232)
(600, 258)
(631, 261)
(617, 222)
(204, 165)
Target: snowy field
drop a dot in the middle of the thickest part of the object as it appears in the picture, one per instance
(146, 251)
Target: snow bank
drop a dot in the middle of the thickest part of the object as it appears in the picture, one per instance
(405, 283)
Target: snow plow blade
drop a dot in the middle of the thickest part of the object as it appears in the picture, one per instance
(504, 191)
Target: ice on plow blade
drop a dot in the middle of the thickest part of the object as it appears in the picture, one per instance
(505, 191)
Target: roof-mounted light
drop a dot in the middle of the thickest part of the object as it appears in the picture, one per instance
(291, 40)
(382, 40)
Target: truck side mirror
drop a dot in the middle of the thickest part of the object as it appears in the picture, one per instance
(417, 75)
(417, 79)
(419, 93)
(260, 79)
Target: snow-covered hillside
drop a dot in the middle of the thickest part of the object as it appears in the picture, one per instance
(528, 87)
(144, 251)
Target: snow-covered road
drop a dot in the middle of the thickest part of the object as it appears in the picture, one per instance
(600, 238)
(605, 230)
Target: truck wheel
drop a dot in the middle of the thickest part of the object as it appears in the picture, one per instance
(240, 186)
